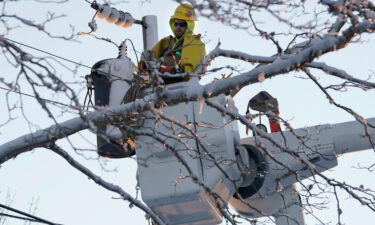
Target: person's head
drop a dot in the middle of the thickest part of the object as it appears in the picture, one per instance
(182, 21)
(180, 27)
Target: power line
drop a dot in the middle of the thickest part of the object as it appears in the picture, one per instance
(71, 61)
(68, 60)
(33, 96)
(48, 53)
(18, 217)
(33, 218)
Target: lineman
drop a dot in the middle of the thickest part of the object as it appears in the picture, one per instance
(184, 51)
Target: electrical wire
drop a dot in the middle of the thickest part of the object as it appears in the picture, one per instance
(71, 61)
(18, 217)
(48, 53)
(33, 96)
(135, 52)
(37, 219)
(68, 60)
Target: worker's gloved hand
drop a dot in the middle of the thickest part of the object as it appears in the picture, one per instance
(146, 56)
(167, 69)
(142, 65)
(171, 69)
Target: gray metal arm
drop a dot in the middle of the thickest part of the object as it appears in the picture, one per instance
(318, 146)
(351, 136)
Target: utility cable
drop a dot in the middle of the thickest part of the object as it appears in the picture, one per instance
(18, 217)
(48, 53)
(68, 60)
(135, 52)
(37, 219)
(71, 61)
(32, 96)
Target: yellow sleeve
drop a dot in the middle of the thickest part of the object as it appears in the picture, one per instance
(193, 54)
(156, 50)
(159, 47)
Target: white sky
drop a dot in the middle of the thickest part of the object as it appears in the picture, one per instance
(68, 197)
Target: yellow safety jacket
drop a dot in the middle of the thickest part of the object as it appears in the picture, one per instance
(190, 47)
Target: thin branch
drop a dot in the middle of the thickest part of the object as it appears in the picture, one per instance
(98, 180)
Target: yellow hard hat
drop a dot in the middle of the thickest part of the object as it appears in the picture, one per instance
(184, 12)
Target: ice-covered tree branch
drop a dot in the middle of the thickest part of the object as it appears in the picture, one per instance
(302, 31)
(100, 181)
(194, 90)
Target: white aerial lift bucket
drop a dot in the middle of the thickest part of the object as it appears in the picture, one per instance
(168, 177)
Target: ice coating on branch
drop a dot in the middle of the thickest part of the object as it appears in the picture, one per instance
(261, 77)
(370, 14)
(306, 52)
(201, 104)
(41, 137)
(194, 90)
(114, 133)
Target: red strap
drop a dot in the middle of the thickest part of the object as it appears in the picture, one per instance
(142, 64)
(166, 69)
(274, 124)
